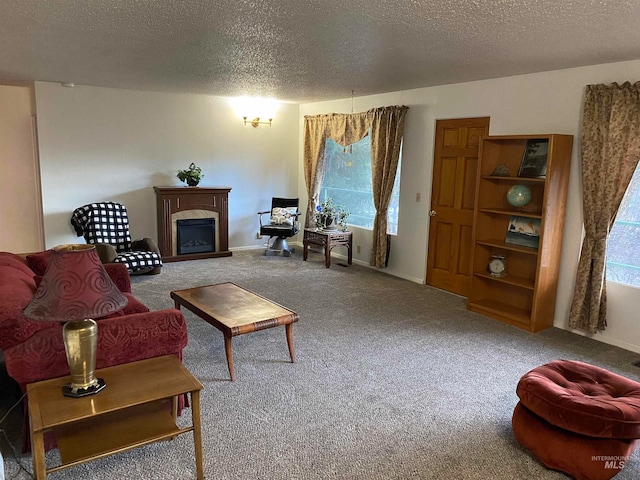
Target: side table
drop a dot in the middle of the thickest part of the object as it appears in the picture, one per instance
(326, 240)
(138, 407)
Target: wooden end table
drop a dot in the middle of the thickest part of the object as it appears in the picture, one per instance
(234, 311)
(326, 240)
(137, 407)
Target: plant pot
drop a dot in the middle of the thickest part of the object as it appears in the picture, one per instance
(330, 224)
(192, 182)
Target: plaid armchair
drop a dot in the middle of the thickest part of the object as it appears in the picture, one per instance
(106, 225)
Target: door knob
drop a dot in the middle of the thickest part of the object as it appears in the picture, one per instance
(432, 213)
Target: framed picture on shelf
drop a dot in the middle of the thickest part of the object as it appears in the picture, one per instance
(523, 231)
(534, 159)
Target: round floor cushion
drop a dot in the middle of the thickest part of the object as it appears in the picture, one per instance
(583, 398)
(582, 457)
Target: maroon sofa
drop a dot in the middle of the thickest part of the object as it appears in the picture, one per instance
(34, 350)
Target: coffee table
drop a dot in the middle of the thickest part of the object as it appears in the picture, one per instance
(235, 310)
(137, 407)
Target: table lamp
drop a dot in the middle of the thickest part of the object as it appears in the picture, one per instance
(75, 289)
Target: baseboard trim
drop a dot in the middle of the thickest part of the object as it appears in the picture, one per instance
(249, 247)
(338, 256)
(609, 341)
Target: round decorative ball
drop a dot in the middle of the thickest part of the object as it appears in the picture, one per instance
(519, 195)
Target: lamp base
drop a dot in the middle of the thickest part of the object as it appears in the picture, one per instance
(70, 391)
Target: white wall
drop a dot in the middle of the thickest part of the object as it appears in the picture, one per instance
(549, 102)
(110, 144)
(99, 144)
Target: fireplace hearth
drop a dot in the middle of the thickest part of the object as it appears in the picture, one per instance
(196, 235)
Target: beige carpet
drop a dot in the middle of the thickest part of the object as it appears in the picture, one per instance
(393, 380)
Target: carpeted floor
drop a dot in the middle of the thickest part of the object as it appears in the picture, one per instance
(392, 380)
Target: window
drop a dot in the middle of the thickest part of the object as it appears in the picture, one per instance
(347, 179)
(623, 247)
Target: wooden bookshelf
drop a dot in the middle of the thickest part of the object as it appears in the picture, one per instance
(526, 296)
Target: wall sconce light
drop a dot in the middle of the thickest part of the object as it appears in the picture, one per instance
(255, 111)
(256, 121)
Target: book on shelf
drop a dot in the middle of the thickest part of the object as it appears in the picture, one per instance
(523, 231)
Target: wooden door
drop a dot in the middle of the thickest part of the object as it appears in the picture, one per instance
(20, 194)
(453, 186)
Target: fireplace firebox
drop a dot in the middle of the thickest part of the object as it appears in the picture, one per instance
(196, 235)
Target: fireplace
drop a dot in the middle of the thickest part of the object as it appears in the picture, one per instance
(192, 203)
(197, 235)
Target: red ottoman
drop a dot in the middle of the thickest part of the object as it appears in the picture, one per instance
(578, 418)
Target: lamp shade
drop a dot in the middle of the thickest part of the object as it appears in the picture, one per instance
(75, 287)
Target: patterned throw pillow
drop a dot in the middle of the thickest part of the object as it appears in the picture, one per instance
(283, 215)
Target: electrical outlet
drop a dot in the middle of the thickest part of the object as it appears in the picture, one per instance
(258, 236)
(357, 248)
(418, 197)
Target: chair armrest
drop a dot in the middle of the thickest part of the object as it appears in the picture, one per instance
(120, 340)
(106, 252)
(261, 214)
(147, 244)
(119, 276)
(141, 335)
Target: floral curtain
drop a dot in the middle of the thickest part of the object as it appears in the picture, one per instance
(386, 125)
(314, 144)
(610, 153)
(344, 129)
(387, 128)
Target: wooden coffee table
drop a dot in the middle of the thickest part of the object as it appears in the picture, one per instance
(137, 407)
(234, 311)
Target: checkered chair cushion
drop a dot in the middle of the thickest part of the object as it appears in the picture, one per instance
(108, 222)
(136, 261)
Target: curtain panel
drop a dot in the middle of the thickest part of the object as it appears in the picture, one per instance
(313, 156)
(342, 128)
(387, 126)
(610, 153)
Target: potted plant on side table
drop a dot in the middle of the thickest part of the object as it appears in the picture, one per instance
(329, 216)
(191, 176)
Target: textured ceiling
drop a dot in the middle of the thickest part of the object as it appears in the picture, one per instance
(306, 50)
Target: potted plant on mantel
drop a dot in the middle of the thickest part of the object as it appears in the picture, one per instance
(191, 176)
